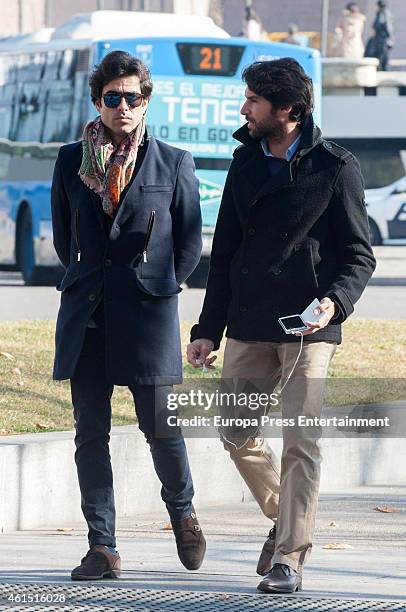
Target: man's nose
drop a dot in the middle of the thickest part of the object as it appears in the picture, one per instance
(243, 110)
(123, 104)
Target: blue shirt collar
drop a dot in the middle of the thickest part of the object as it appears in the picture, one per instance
(289, 153)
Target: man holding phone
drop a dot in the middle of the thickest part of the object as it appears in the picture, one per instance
(292, 227)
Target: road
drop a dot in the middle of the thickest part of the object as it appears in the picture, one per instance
(371, 568)
(384, 298)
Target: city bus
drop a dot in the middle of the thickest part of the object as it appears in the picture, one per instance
(44, 102)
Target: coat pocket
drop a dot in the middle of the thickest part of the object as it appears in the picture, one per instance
(159, 287)
(305, 272)
(71, 276)
(154, 188)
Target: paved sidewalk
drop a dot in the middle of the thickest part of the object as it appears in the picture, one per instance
(374, 568)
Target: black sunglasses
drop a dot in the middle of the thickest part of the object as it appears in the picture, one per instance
(113, 98)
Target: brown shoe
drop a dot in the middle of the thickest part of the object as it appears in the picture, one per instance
(190, 541)
(264, 562)
(99, 563)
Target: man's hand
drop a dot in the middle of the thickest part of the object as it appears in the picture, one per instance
(328, 308)
(198, 352)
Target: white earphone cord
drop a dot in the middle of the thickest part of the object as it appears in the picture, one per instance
(279, 393)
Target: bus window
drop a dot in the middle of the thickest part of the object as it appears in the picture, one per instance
(30, 67)
(9, 69)
(37, 66)
(7, 109)
(80, 104)
(67, 99)
(52, 65)
(58, 112)
(31, 109)
(67, 67)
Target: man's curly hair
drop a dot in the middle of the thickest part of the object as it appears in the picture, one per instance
(283, 82)
(119, 64)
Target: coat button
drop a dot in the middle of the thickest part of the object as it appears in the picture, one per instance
(243, 309)
(244, 270)
(107, 262)
(283, 235)
(92, 297)
(251, 231)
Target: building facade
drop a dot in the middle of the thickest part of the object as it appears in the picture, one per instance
(21, 16)
(275, 16)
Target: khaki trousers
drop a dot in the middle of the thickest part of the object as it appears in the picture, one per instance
(288, 494)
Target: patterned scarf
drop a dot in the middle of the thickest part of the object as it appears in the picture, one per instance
(105, 168)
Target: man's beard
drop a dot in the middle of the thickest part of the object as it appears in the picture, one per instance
(276, 132)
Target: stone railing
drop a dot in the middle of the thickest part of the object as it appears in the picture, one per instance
(340, 72)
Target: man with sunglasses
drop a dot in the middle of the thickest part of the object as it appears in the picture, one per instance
(127, 229)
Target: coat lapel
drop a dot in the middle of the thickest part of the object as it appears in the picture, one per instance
(126, 207)
(97, 205)
(282, 179)
(258, 181)
(256, 171)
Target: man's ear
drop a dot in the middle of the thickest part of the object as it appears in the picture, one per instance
(287, 109)
(145, 102)
(98, 105)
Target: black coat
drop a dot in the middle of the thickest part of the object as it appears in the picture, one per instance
(282, 241)
(140, 297)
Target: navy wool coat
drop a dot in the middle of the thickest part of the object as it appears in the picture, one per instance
(153, 246)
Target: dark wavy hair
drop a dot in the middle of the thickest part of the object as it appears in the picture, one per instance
(283, 82)
(115, 65)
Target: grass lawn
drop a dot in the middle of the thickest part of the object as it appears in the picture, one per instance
(30, 401)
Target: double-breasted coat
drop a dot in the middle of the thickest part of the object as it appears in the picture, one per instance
(137, 267)
(283, 240)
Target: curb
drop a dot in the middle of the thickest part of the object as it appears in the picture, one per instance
(38, 482)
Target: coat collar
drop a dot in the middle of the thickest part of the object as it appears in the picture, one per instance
(310, 137)
(256, 167)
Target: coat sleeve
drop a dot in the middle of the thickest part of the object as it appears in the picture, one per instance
(60, 210)
(186, 220)
(352, 239)
(227, 238)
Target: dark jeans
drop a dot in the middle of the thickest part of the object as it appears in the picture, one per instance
(91, 395)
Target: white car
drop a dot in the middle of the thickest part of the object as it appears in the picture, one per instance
(386, 209)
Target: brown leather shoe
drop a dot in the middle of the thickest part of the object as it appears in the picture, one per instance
(99, 563)
(190, 541)
(264, 562)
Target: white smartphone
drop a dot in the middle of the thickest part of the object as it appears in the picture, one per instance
(297, 323)
(292, 324)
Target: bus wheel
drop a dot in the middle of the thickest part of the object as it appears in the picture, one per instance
(31, 272)
(374, 233)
